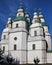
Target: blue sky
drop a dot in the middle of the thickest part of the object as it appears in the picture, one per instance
(8, 8)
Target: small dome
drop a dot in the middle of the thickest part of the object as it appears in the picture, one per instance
(35, 25)
(9, 20)
(40, 15)
(35, 13)
(20, 10)
(6, 29)
(42, 20)
(26, 15)
(36, 16)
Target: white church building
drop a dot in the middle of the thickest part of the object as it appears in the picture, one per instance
(26, 40)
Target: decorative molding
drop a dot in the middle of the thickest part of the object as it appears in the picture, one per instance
(36, 40)
(37, 27)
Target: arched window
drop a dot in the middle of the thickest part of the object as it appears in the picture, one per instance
(16, 25)
(19, 15)
(43, 32)
(33, 46)
(15, 47)
(35, 20)
(35, 33)
(4, 48)
(4, 36)
(46, 46)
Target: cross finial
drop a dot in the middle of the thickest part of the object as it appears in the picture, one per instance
(26, 9)
(20, 2)
(40, 11)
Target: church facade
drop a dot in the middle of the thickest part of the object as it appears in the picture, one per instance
(25, 40)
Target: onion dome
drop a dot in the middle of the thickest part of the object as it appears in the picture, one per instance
(6, 29)
(27, 18)
(42, 19)
(35, 21)
(35, 18)
(26, 14)
(35, 15)
(9, 21)
(20, 15)
(40, 15)
(20, 12)
(20, 8)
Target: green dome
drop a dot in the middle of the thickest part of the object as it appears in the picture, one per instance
(26, 14)
(20, 7)
(20, 18)
(40, 14)
(43, 24)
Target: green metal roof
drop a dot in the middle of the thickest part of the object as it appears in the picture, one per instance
(43, 24)
(30, 23)
(49, 51)
(20, 18)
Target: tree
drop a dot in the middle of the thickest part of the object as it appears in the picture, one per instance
(9, 59)
(36, 61)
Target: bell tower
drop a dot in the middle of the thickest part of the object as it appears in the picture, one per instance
(46, 32)
(18, 37)
(36, 41)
